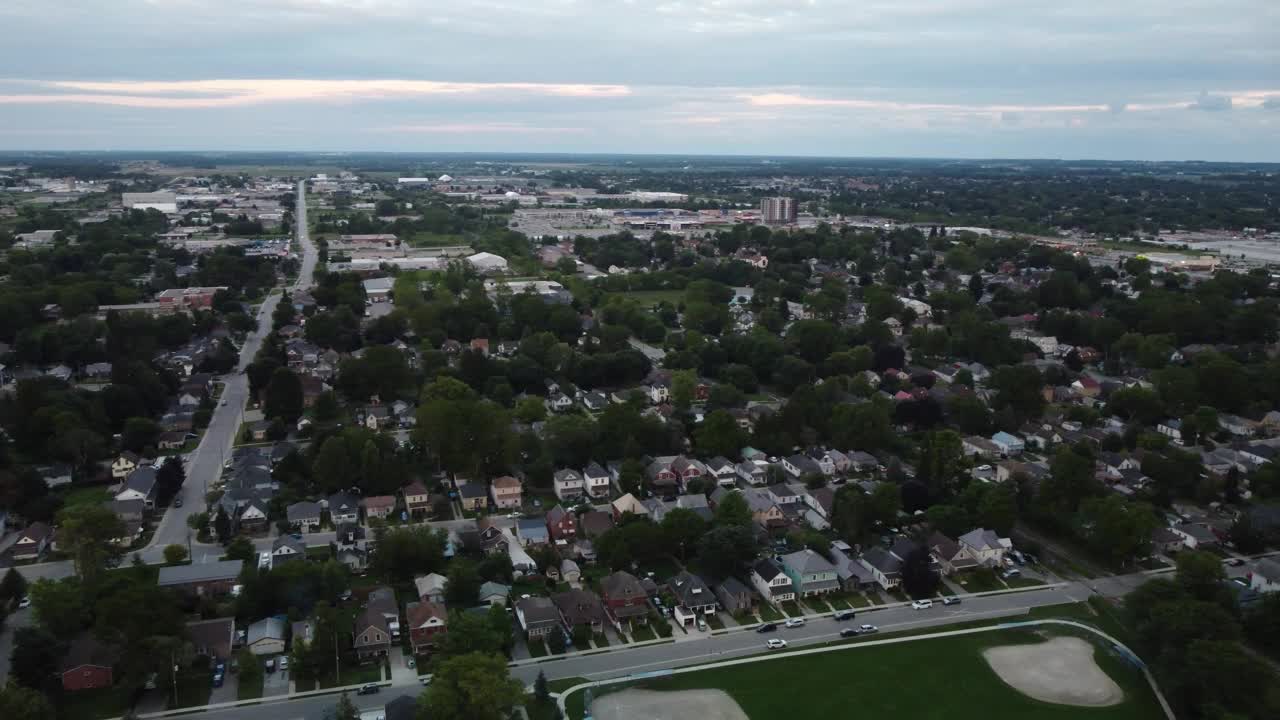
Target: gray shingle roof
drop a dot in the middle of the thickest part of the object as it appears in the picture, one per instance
(183, 574)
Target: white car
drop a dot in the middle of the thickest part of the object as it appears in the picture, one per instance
(794, 622)
(921, 604)
(24, 603)
(775, 643)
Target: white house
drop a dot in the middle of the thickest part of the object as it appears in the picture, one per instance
(1266, 576)
(485, 262)
(596, 480)
(1009, 445)
(1172, 429)
(986, 546)
(569, 484)
(771, 582)
(123, 465)
(139, 485)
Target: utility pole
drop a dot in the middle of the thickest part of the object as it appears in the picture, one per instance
(174, 664)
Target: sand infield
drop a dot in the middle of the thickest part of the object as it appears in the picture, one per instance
(1060, 671)
(676, 705)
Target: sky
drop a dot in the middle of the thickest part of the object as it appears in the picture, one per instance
(1120, 80)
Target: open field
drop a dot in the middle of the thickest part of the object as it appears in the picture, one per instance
(936, 678)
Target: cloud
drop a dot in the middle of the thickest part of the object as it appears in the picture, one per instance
(480, 128)
(190, 94)
(1212, 103)
(779, 99)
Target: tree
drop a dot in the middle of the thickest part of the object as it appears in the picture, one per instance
(407, 551)
(19, 703)
(284, 396)
(60, 606)
(1119, 529)
(940, 456)
(139, 433)
(998, 509)
(463, 586)
(240, 548)
(36, 657)
(222, 526)
(251, 670)
(683, 385)
(733, 511)
(541, 692)
(681, 528)
(884, 504)
(919, 579)
(471, 632)
(345, 709)
(169, 479)
(175, 554)
(470, 687)
(719, 434)
(89, 532)
(12, 587)
(726, 550)
(1201, 574)
(848, 514)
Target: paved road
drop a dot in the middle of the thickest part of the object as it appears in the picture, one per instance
(205, 465)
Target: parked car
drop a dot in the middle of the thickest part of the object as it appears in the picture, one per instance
(284, 663)
(271, 665)
(177, 502)
(217, 679)
(776, 643)
(370, 689)
(1018, 557)
(410, 662)
(24, 603)
(794, 622)
(849, 632)
(864, 629)
(843, 615)
(951, 601)
(1235, 562)
(767, 627)
(702, 624)
(921, 604)
(264, 560)
(1011, 573)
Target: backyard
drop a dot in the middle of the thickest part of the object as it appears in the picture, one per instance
(887, 681)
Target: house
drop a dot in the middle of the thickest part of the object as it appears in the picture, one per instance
(753, 472)
(800, 465)
(579, 609)
(304, 516)
(266, 636)
(356, 559)
(885, 567)
(1008, 444)
(506, 492)
(771, 582)
(562, 525)
(213, 638)
(472, 496)
(1195, 535)
(379, 506)
(377, 625)
(625, 599)
(537, 616)
(734, 596)
(126, 463)
(532, 531)
(343, 508)
(1265, 577)
(139, 485)
(31, 542)
(697, 503)
(1165, 541)
(594, 523)
(88, 664)
(628, 504)
(492, 593)
(980, 447)
(853, 574)
(417, 501)
(569, 485)
(596, 480)
(559, 402)
(252, 517)
(985, 546)
(211, 578)
(595, 401)
(430, 587)
(764, 509)
(56, 475)
(723, 470)
(285, 548)
(950, 556)
(428, 622)
(171, 440)
(693, 597)
(1086, 386)
(810, 573)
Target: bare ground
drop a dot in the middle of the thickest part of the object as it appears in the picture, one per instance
(1060, 671)
(677, 705)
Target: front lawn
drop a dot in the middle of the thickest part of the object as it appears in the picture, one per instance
(714, 622)
(790, 609)
(817, 604)
(886, 681)
(642, 633)
(600, 640)
(768, 613)
(250, 690)
(1021, 582)
(94, 704)
(979, 581)
(537, 649)
(94, 495)
(194, 686)
(859, 600)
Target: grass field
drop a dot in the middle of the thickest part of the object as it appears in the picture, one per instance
(945, 678)
(86, 496)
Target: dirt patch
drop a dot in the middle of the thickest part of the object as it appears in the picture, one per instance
(677, 705)
(1060, 671)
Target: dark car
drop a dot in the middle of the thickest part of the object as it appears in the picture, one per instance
(767, 627)
(950, 601)
(370, 689)
(849, 632)
(842, 615)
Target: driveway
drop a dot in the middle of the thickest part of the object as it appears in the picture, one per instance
(229, 692)
(401, 673)
(276, 683)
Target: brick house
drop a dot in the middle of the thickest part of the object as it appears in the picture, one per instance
(562, 525)
(88, 664)
(625, 599)
(427, 624)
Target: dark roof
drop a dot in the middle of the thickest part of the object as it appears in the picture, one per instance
(766, 569)
(202, 572)
(691, 590)
(880, 559)
(733, 586)
(579, 607)
(86, 650)
(622, 584)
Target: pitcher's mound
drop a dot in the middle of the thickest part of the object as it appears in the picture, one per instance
(677, 705)
(1061, 671)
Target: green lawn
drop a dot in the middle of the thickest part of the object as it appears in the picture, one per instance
(600, 640)
(93, 704)
(428, 239)
(859, 600)
(86, 496)
(714, 622)
(791, 609)
(978, 582)
(817, 605)
(538, 649)
(643, 633)
(891, 681)
(769, 613)
(250, 690)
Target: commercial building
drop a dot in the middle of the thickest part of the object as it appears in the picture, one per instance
(778, 210)
(165, 202)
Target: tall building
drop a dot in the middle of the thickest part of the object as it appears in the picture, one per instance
(778, 210)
